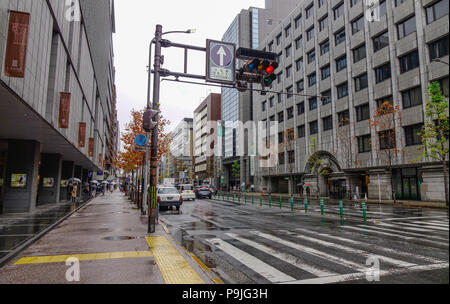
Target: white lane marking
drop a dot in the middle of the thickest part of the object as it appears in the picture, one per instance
(409, 233)
(293, 260)
(436, 223)
(360, 275)
(376, 247)
(367, 229)
(425, 226)
(412, 218)
(397, 226)
(265, 270)
(312, 251)
(351, 250)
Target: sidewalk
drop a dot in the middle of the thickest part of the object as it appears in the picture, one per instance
(336, 201)
(109, 238)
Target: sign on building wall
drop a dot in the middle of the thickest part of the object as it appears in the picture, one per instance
(82, 135)
(64, 110)
(16, 45)
(91, 147)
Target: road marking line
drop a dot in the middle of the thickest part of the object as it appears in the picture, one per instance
(406, 232)
(412, 218)
(435, 223)
(270, 273)
(174, 268)
(83, 257)
(376, 247)
(359, 275)
(351, 250)
(312, 251)
(425, 226)
(293, 260)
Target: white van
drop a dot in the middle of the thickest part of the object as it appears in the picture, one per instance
(187, 191)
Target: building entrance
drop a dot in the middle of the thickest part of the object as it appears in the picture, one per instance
(406, 182)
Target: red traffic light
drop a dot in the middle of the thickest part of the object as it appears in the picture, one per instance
(272, 67)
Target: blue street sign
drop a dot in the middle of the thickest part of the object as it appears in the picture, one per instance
(220, 62)
(221, 55)
(140, 140)
(99, 172)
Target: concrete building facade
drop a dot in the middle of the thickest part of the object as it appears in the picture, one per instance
(359, 56)
(63, 49)
(181, 150)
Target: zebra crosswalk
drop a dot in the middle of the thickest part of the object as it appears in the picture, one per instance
(315, 255)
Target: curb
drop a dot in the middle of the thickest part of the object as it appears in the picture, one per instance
(39, 235)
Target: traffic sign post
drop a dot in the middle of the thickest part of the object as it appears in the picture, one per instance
(341, 209)
(220, 62)
(306, 205)
(364, 210)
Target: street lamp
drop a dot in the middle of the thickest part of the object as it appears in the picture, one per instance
(439, 60)
(157, 63)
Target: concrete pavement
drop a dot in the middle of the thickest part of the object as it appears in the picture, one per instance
(108, 237)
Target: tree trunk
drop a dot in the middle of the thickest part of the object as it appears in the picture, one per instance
(318, 186)
(444, 164)
(394, 194)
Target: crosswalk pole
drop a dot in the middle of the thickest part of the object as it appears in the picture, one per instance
(306, 205)
(239, 198)
(364, 210)
(270, 200)
(292, 203)
(321, 206)
(341, 208)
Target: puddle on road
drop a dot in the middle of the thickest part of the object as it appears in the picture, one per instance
(121, 238)
(203, 225)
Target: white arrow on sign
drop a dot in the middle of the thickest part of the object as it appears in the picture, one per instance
(221, 52)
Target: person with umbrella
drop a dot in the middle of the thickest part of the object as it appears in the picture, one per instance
(74, 192)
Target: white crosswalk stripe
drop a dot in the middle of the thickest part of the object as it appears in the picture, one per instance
(409, 229)
(270, 273)
(436, 223)
(425, 226)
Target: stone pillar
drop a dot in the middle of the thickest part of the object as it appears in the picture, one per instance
(23, 158)
(432, 186)
(51, 165)
(380, 185)
(67, 171)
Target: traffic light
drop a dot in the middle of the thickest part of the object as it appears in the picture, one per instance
(269, 74)
(147, 120)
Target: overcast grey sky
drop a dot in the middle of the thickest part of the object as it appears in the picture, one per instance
(135, 27)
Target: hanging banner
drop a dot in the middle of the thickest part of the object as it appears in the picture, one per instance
(16, 46)
(82, 135)
(64, 110)
(100, 159)
(91, 147)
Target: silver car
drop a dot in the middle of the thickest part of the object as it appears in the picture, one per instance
(168, 197)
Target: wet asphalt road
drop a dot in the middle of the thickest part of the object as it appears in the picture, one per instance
(245, 243)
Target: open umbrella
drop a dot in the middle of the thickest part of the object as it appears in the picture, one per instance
(104, 182)
(95, 182)
(73, 179)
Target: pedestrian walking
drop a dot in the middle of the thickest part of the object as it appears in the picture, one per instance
(74, 193)
(69, 189)
(307, 192)
(252, 188)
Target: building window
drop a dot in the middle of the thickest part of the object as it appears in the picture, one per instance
(312, 56)
(288, 50)
(291, 157)
(443, 83)
(341, 63)
(287, 30)
(271, 46)
(290, 112)
(406, 27)
(383, 100)
(271, 101)
(382, 72)
(325, 72)
(298, 42)
(398, 2)
(301, 108)
(324, 47)
(311, 79)
(362, 112)
(312, 103)
(313, 127)
(380, 41)
(310, 33)
(298, 21)
(439, 48)
(281, 158)
(359, 53)
(264, 105)
(323, 23)
(299, 64)
(340, 36)
(278, 39)
(301, 131)
(327, 123)
(358, 25)
(412, 97)
(412, 136)
(326, 97)
(437, 10)
(300, 86)
(387, 139)
(361, 82)
(338, 10)
(364, 143)
(289, 90)
(309, 11)
(409, 62)
(279, 75)
(272, 118)
(343, 118)
(382, 8)
(354, 2)
(342, 90)
(288, 71)
(280, 137)
(280, 98)
(281, 116)
(320, 3)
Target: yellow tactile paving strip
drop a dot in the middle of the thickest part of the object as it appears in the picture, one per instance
(173, 266)
(83, 257)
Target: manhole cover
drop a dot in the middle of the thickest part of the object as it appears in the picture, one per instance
(119, 238)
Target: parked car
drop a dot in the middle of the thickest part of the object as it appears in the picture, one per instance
(204, 191)
(167, 197)
(187, 191)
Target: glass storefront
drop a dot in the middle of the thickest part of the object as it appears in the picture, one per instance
(407, 183)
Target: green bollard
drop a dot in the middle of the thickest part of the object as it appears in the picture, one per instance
(364, 210)
(341, 208)
(281, 203)
(260, 200)
(270, 200)
(306, 205)
(292, 203)
(239, 198)
(253, 199)
(245, 199)
(321, 206)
